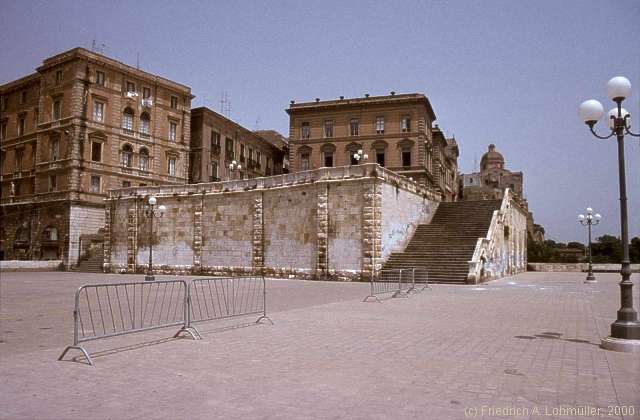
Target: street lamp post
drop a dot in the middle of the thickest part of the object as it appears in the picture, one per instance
(589, 220)
(360, 155)
(151, 212)
(625, 331)
(233, 166)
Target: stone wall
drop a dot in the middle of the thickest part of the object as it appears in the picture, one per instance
(328, 223)
(578, 267)
(30, 265)
(83, 220)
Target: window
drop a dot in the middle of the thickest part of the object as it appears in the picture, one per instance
(328, 159)
(406, 158)
(405, 124)
(305, 131)
(131, 87)
(352, 158)
(127, 156)
(126, 184)
(3, 103)
(250, 154)
(214, 172)
(380, 158)
(146, 92)
(3, 130)
(23, 96)
(354, 127)
(380, 125)
(328, 128)
(19, 154)
(242, 153)
(173, 128)
(144, 159)
(98, 111)
(174, 102)
(50, 233)
(228, 147)
(127, 119)
(96, 151)
(145, 124)
(36, 114)
(100, 78)
(57, 109)
(258, 158)
(95, 184)
(21, 125)
(58, 77)
(54, 152)
(171, 166)
(53, 183)
(304, 162)
(215, 139)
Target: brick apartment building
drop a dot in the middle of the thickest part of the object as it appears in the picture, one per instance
(79, 126)
(396, 131)
(216, 142)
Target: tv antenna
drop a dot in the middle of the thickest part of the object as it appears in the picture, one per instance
(225, 105)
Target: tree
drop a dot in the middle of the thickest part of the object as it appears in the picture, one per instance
(576, 245)
(634, 250)
(607, 249)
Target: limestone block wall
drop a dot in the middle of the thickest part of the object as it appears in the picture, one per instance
(326, 223)
(402, 212)
(83, 220)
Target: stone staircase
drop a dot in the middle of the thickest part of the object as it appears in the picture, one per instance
(445, 245)
(93, 264)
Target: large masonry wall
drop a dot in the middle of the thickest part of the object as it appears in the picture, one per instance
(326, 223)
(402, 212)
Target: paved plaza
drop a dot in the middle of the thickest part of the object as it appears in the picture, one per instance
(519, 347)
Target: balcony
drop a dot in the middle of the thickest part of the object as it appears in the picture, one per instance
(144, 135)
(147, 102)
(128, 132)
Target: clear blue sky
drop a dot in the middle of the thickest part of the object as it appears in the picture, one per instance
(505, 72)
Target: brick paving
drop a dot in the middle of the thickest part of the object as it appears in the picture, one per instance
(524, 343)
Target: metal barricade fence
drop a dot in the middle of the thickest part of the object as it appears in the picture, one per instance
(400, 282)
(226, 297)
(420, 279)
(109, 310)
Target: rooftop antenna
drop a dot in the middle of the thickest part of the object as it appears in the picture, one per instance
(225, 105)
(475, 162)
(138, 60)
(95, 47)
(257, 127)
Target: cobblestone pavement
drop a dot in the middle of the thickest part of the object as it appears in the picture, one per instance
(521, 347)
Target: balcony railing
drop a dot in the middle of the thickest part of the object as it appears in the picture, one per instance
(215, 149)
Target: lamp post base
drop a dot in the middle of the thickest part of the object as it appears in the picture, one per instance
(149, 277)
(620, 344)
(590, 278)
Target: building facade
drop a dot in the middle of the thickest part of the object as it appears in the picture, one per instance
(216, 142)
(79, 126)
(395, 131)
(492, 181)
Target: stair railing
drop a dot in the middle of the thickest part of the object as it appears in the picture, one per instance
(485, 246)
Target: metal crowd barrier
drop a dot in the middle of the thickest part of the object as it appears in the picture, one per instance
(400, 282)
(109, 310)
(219, 298)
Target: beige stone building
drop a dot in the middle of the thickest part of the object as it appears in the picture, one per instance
(79, 126)
(216, 142)
(395, 131)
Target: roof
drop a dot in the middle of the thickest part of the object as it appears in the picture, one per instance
(361, 101)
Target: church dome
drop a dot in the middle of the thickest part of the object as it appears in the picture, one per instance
(492, 159)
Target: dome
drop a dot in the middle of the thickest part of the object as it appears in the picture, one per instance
(492, 159)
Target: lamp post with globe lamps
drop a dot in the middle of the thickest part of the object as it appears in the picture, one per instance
(234, 166)
(360, 155)
(625, 331)
(151, 212)
(589, 220)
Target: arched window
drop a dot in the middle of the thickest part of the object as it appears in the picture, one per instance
(144, 159)
(144, 124)
(50, 233)
(22, 234)
(328, 151)
(127, 119)
(127, 156)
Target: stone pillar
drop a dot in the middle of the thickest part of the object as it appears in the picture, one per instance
(197, 238)
(132, 237)
(258, 235)
(371, 229)
(322, 258)
(106, 243)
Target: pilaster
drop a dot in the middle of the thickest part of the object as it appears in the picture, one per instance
(322, 262)
(371, 229)
(132, 237)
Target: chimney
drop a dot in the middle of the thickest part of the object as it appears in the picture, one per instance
(366, 95)
(292, 102)
(393, 92)
(341, 97)
(317, 99)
